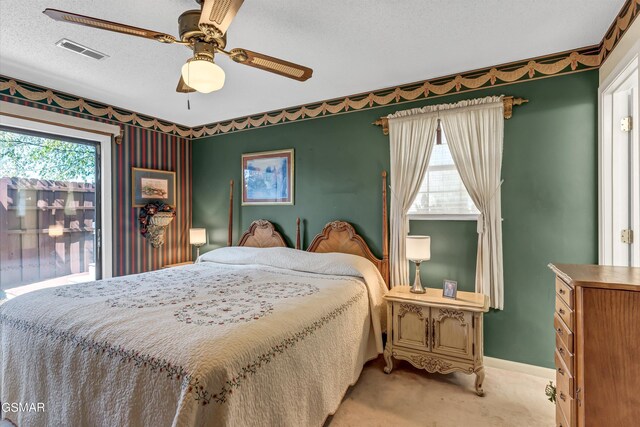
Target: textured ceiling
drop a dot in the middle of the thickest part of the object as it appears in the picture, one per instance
(352, 46)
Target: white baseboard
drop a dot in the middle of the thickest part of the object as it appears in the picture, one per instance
(508, 365)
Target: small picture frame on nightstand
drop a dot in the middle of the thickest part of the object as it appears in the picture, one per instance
(450, 289)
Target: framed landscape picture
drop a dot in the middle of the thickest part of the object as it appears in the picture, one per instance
(267, 178)
(152, 184)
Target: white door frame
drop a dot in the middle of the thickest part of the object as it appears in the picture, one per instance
(29, 118)
(624, 77)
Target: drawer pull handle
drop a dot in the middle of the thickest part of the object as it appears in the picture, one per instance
(561, 371)
(561, 351)
(563, 397)
(562, 291)
(561, 311)
(559, 331)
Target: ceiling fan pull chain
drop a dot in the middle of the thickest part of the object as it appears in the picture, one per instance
(188, 93)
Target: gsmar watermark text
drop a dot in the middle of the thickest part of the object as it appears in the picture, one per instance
(22, 407)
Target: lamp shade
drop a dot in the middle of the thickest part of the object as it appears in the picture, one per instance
(203, 75)
(197, 236)
(418, 248)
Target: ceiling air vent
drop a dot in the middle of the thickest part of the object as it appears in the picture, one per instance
(79, 49)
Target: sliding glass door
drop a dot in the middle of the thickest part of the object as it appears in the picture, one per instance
(49, 211)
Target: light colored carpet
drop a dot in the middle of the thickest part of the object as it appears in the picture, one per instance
(410, 397)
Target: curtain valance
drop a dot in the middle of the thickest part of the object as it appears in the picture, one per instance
(452, 108)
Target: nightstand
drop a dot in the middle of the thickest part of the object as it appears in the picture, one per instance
(434, 333)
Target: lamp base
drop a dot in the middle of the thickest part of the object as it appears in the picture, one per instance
(198, 250)
(417, 287)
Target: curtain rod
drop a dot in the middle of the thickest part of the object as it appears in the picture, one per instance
(509, 102)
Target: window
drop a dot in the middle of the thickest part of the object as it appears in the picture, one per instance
(23, 119)
(49, 185)
(442, 194)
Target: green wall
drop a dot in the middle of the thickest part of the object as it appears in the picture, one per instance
(549, 197)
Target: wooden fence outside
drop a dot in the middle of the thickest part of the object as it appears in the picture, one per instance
(46, 230)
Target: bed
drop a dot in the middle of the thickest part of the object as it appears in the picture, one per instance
(249, 335)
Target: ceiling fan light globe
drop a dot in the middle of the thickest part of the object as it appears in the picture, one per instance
(203, 75)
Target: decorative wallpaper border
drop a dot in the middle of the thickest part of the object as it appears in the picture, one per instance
(532, 69)
(630, 10)
(30, 92)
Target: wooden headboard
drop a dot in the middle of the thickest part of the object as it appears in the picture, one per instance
(262, 234)
(337, 236)
(340, 236)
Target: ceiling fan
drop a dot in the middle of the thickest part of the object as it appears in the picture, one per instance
(204, 32)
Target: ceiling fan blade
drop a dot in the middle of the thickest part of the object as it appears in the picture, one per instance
(217, 15)
(183, 88)
(101, 24)
(271, 64)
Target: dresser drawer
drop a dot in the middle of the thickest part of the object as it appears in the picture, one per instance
(565, 291)
(563, 332)
(564, 380)
(566, 404)
(564, 353)
(564, 311)
(561, 420)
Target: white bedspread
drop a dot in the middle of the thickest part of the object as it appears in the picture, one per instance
(244, 337)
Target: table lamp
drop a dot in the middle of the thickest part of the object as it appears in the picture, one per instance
(418, 250)
(197, 237)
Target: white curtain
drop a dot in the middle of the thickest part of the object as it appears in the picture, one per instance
(411, 138)
(475, 132)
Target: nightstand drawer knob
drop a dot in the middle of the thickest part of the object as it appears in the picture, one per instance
(561, 311)
(561, 371)
(563, 397)
(559, 331)
(562, 291)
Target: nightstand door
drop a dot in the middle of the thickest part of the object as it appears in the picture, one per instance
(410, 326)
(452, 332)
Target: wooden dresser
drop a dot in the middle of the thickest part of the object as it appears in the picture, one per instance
(597, 356)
